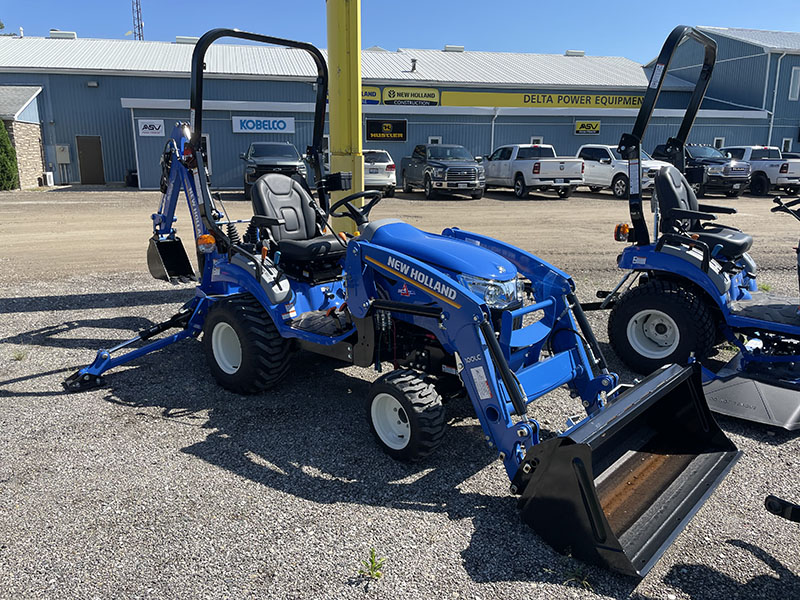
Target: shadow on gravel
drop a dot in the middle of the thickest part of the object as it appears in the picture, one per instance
(60, 336)
(715, 585)
(310, 438)
(25, 304)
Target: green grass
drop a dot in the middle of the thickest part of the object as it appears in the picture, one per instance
(373, 566)
(764, 287)
(578, 578)
(19, 355)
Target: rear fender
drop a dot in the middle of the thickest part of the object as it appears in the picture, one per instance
(645, 259)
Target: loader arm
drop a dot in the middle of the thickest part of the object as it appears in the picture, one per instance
(501, 376)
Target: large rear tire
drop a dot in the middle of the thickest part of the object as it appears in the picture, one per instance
(244, 351)
(520, 189)
(407, 189)
(406, 415)
(660, 323)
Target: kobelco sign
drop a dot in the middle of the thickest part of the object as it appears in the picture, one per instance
(263, 124)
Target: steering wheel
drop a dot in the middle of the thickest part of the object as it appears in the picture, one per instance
(359, 215)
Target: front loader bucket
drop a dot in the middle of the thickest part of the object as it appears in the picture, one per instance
(167, 260)
(617, 489)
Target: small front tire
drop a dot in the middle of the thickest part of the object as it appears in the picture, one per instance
(477, 194)
(406, 415)
(733, 193)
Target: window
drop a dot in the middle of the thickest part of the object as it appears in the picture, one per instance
(377, 156)
(786, 145)
(737, 153)
(505, 153)
(435, 139)
(719, 142)
(496, 154)
(794, 84)
(593, 154)
(537, 139)
(419, 152)
(764, 154)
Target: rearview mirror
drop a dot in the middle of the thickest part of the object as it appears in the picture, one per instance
(243, 156)
(479, 159)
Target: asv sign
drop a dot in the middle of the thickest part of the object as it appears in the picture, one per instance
(151, 127)
(263, 124)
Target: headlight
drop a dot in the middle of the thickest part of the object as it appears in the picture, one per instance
(715, 170)
(250, 169)
(481, 171)
(438, 173)
(301, 169)
(496, 294)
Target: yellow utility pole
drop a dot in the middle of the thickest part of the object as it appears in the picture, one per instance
(344, 94)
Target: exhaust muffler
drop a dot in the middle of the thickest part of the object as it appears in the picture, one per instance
(167, 260)
(617, 489)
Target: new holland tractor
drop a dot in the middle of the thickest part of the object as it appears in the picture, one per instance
(449, 312)
(695, 284)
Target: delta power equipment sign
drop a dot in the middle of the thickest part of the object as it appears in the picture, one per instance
(381, 130)
(263, 124)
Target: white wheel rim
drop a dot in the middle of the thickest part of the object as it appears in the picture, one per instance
(619, 187)
(653, 334)
(226, 347)
(518, 187)
(390, 421)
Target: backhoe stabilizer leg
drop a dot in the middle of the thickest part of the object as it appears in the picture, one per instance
(190, 319)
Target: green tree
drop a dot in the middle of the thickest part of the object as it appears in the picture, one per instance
(9, 175)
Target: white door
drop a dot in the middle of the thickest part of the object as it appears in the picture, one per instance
(590, 157)
(504, 164)
(604, 167)
(492, 166)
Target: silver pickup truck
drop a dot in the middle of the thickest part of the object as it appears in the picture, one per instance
(528, 167)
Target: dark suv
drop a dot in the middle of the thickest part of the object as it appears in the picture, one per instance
(714, 172)
(270, 157)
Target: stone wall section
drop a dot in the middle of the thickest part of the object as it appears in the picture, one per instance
(27, 141)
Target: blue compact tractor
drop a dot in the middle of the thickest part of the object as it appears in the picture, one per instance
(455, 313)
(695, 285)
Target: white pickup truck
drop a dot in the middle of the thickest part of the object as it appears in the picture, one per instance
(606, 169)
(528, 167)
(769, 169)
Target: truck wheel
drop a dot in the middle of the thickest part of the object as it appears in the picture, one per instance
(520, 189)
(792, 191)
(406, 184)
(244, 351)
(698, 189)
(406, 415)
(248, 189)
(660, 323)
(733, 193)
(566, 192)
(430, 193)
(759, 185)
(595, 189)
(619, 187)
(389, 192)
(477, 194)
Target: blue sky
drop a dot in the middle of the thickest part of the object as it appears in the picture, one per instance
(631, 29)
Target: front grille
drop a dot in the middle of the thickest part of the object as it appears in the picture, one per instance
(286, 170)
(462, 174)
(736, 170)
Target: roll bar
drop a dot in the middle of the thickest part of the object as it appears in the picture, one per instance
(196, 107)
(630, 143)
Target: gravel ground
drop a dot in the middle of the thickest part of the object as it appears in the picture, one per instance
(161, 484)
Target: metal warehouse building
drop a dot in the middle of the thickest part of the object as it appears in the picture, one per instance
(105, 106)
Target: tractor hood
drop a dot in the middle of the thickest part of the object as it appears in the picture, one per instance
(448, 254)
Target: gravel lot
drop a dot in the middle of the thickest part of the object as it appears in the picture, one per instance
(161, 484)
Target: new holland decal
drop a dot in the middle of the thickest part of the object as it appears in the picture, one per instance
(424, 279)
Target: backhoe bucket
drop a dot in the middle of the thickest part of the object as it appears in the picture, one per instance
(617, 489)
(167, 260)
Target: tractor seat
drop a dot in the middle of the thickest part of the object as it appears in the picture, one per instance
(299, 239)
(674, 192)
